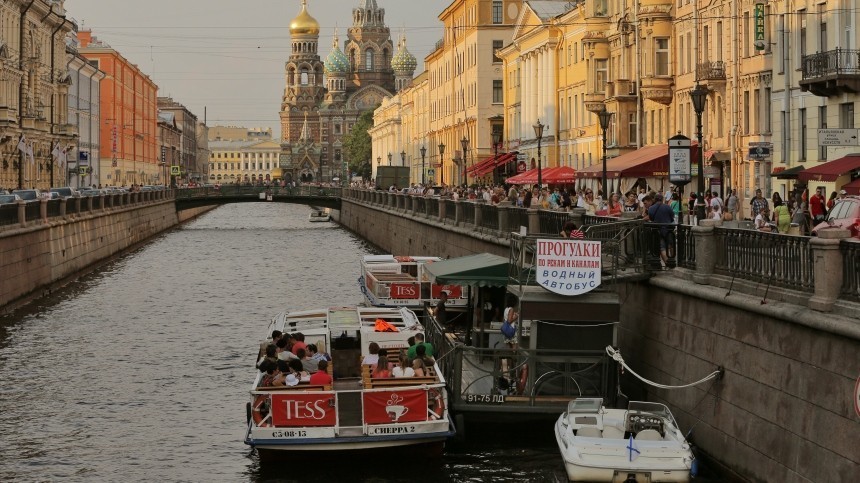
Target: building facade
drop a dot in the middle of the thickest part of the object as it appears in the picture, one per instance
(170, 148)
(323, 100)
(34, 87)
(238, 133)
(82, 162)
(187, 122)
(244, 162)
(129, 110)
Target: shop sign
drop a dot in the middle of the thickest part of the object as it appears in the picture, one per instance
(569, 267)
(405, 290)
(387, 407)
(295, 410)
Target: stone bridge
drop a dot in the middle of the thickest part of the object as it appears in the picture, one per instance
(324, 197)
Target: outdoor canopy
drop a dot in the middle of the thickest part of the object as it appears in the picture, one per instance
(647, 162)
(489, 164)
(556, 175)
(480, 270)
(832, 170)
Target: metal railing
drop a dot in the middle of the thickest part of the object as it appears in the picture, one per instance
(832, 62)
(9, 214)
(432, 207)
(517, 217)
(686, 247)
(597, 220)
(489, 216)
(450, 210)
(772, 258)
(469, 213)
(54, 208)
(850, 269)
(33, 211)
(552, 221)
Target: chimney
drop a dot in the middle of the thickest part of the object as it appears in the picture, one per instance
(85, 37)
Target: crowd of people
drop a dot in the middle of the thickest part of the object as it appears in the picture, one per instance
(287, 360)
(416, 361)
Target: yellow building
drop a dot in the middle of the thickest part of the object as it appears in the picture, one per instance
(232, 162)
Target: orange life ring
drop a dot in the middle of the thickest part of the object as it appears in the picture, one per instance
(257, 415)
(439, 406)
(524, 376)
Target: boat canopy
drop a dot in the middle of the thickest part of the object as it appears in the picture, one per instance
(480, 270)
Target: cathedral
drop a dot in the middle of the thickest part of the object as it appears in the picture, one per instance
(322, 101)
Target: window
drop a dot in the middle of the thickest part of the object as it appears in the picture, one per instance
(846, 115)
(786, 119)
(767, 121)
(305, 77)
(747, 38)
(497, 12)
(755, 111)
(497, 44)
(600, 8)
(246, 166)
(801, 41)
(661, 57)
(747, 128)
(705, 43)
(632, 133)
(690, 65)
(497, 92)
(600, 76)
(681, 49)
(802, 134)
(368, 60)
(822, 124)
(719, 34)
(822, 28)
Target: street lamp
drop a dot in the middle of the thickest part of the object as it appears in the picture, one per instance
(441, 164)
(465, 143)
(389, 159)
(699, 96)
(539, 134)
(403, 158)
(604, 116)
(423, 151)
(497, 138)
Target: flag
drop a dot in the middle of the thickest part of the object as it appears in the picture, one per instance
(63, 158)
(22, 144)
(56, 151)
(30, 153)
(632, 450)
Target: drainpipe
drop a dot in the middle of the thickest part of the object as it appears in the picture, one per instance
(53, 98)
(21, 92)
(97, 133)
(639, 101)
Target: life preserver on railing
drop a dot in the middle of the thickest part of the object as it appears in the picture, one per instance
(524, 377)
(260, 409)
(438, 409)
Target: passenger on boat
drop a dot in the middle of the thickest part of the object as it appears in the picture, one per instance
(269, 369)
(373, 356)
(308, 364)
(284, 352)
(297, 368)
(381, 369)
(321, 376)
(281, 374)
(421, 353)
(276, 336)
(403, 369)
(419, 341)
(321, 350)
(440, 312)
(299, 342)
(271, 354)
(418, 368)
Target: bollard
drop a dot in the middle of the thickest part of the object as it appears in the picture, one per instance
(43, 210)
(827, 268)
(22, 213)
(441, 202)
(706, 244)
(534, 221)
(63, 208)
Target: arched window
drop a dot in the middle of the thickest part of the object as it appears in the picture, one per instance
(368, 59)
(305, 77)
(386, 59)
(353, 58)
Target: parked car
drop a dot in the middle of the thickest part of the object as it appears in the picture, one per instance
(28, 195)
(9, 199)
(53, 195)
(66, 192)
(91, 193)
(845, 214)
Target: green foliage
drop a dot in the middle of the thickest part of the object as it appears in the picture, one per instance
(357, 146)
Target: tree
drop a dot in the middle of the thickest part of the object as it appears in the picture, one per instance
(357, 146)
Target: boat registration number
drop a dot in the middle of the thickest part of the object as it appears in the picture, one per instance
(298, 433)
(484, 398)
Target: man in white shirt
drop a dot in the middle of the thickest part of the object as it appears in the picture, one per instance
(716, 206)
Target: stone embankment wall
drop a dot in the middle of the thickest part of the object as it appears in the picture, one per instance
(48, 254)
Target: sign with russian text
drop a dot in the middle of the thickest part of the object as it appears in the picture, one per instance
(680, 171)
(759, 26)
(404, 290)
(302, 409)
(454, 291)
(388, 407)
(569, 267)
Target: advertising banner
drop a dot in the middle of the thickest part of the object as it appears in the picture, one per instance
(301, 409)
(454, 291)
(387, 407)
(405, 290)
(569, 267)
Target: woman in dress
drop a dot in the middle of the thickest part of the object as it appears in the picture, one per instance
(782, 217)
(615, 207)
(381, 368)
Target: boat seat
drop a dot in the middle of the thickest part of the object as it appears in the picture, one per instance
(611, 432)
(649, 435)
(589, 432)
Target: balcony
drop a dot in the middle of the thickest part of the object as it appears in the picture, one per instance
(594, 101)
(711, 72)
(831, 73)
(657, 89)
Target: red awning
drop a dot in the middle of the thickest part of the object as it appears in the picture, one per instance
(853, 188)
(647, 162)
(483, 168)
(832, 170)
(556, 175)
(479, 165)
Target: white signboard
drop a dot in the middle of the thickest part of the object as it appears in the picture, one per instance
(838, 137)
(568, 267)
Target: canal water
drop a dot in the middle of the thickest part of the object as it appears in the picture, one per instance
(140, 370)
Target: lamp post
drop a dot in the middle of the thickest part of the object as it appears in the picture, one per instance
(465, 144)
(538, 135)
(441, 164)
(497, 138)
(403, 158)
(389, 159)
(699, 96)
(605, 117)
(423, 151)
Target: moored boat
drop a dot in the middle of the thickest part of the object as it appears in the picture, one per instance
(356, 411)
(319, 216)
(401, 281)
(639, 444)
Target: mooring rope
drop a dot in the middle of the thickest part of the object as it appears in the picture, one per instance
(616, 356)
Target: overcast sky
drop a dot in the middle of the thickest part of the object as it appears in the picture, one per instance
(229, 55)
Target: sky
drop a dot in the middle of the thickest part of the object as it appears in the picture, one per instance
(229, 55)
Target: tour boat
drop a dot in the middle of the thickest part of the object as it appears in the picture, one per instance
(356, 411)
(319, 215)
(639, 444)
(389, 281)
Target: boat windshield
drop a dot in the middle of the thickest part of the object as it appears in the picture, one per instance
(656, 409)
(585, 405)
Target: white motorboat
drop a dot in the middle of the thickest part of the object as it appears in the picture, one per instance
(401, 281)
(355, 411)
(639, 444)
(319, 215)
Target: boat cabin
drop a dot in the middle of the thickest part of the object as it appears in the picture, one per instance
(401, 281)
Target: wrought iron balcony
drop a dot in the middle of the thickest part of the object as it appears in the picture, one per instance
(831, 73)
(711, 71)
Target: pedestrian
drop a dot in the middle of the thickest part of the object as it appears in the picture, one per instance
(662, 214)
(816, 206)
(757, 203)
(732, 205)
(781, 216)
(832, 201)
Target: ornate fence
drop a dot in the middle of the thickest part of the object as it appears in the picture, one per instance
(772, 258)
(469, 213)
(450, 210)
(489, 216)
(851, 270)
(517, 217)
(686, 247)
(552, 221)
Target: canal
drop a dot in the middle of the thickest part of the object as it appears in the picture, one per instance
(140, 370)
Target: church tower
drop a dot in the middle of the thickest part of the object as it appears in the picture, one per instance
(369, 48)
(304, 73)
(404, 65)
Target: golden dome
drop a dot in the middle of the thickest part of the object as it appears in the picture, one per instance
(277, 173)
(304, 24)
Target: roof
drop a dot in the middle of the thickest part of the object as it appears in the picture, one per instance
(647, 162)
(481, 270)
(548, 9)
(832, 170)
